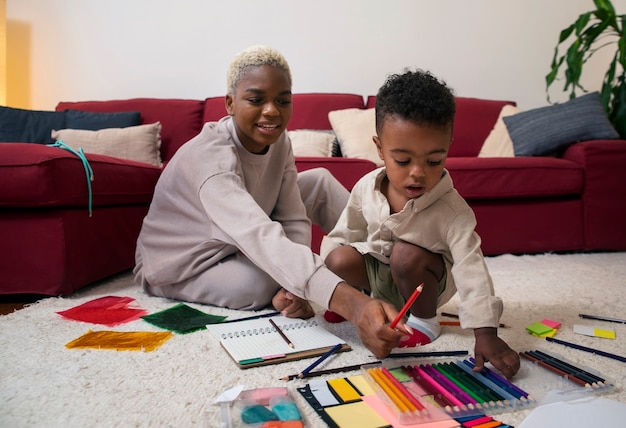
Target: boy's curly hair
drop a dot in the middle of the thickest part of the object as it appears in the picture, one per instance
(417, 96)
(254, 56)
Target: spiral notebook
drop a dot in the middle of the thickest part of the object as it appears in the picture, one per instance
(255, 342)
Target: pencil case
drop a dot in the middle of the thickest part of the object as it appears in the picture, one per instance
(552, 377)
(265, 408)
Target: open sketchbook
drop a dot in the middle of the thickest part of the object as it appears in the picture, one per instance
(255, 342)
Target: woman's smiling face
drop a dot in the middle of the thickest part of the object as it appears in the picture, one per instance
(260, 107)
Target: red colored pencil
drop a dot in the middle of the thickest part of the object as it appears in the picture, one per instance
(407, 306)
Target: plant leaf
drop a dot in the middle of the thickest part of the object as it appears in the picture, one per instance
(618, 111)
(604, 5)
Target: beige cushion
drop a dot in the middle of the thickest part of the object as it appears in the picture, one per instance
(138, 143)
(498, 143)
(355, 128)
(311, 143)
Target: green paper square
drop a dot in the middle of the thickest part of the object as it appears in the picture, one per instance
(182, 319)
(538, 328)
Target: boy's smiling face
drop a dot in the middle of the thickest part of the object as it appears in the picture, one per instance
(260, 107)
(414, 157)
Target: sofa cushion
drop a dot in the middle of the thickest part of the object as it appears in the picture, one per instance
(181, 119)
(473, 122)
(29, 126)
(355, 129)
(78, 119)
(34, 175)
(546, 129)
(516, 178)
(305, 142)
(139, 143)
(499, 144)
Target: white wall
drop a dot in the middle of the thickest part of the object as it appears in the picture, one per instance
(114, 49)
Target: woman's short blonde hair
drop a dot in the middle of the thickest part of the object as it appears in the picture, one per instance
(254, 56)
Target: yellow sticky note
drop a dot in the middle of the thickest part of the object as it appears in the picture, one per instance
(356, 415)
(607, 334)
(344, 390)
(362, 385)
(551, 333)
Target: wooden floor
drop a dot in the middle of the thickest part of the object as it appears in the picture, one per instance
(7, 308)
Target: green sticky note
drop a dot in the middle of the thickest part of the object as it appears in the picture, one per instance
(538, 328)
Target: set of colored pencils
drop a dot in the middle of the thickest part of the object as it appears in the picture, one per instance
(401, 398)
(562, 368)
(455, 387)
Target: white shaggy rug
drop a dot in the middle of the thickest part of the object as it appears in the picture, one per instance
(44, 384)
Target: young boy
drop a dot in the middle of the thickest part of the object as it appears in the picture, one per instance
(227, 225)
(405, 224)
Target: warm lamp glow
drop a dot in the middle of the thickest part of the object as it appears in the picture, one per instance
(3, 52)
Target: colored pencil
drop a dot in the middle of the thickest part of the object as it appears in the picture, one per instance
(253, 317)
(586, 349)
(601, 318)
(449, 385)
(393, 395)
(328, 371)
(575, 370)
(504, 384)
(448, 314)
(282, 334)
(556, 363)
(439, 398)
(406, 306)
(330, 352)
(445, 392)
(456, 379)
(402, 389)
(555, 370)
(477, 381)
(427, 354)
(495, 387)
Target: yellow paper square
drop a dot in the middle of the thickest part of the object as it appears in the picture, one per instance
(146, 341)
(356, 415)
(361, 384)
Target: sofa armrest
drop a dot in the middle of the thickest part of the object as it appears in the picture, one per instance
(604, 194)
(347, 170)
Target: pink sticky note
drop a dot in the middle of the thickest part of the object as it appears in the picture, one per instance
(551, 323)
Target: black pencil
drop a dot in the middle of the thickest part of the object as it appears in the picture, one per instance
(448, 314)
(327, 371)
(599, 318)
(586, 349)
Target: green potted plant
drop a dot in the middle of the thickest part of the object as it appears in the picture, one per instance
(592, 31)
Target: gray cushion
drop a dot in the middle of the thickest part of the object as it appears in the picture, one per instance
(546, 129)
(29, 126)
(77, 119)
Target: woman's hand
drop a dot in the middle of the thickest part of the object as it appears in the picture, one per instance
(292, 306)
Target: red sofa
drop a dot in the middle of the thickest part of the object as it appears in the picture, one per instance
(51, 246)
